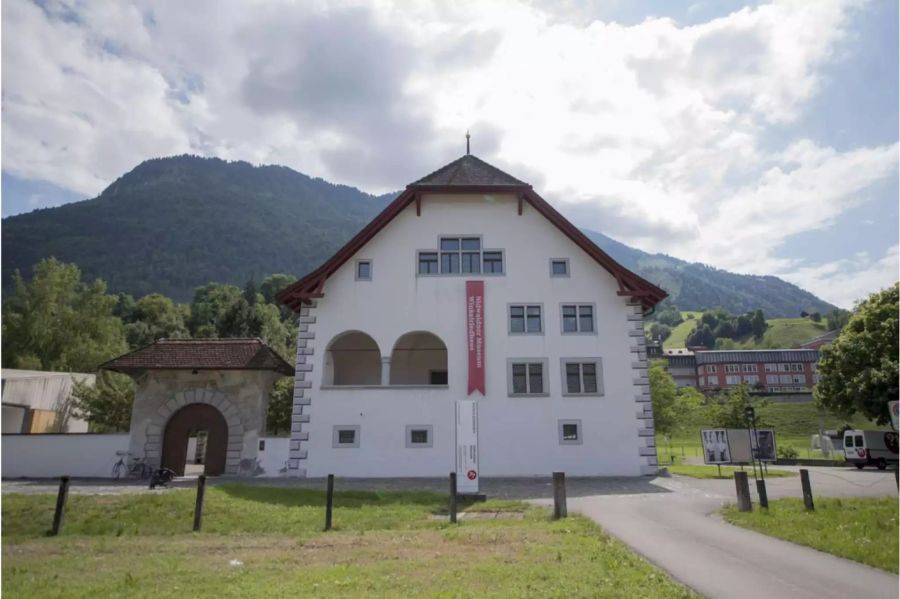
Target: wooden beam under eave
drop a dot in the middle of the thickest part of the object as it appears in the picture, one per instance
(521, 201)
(418, 204)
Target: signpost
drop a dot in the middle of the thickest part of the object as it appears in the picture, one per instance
(467, 468)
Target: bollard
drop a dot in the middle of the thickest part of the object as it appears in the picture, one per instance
(743, 491)
(61, 498)
(763, 496)
(559, 495)
(329, 501)
(807, 490)
(453, 498)
(198, 506)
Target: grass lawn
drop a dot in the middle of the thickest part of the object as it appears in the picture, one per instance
(682, 330)
(695, 471)
(383, 545)
(861, 529)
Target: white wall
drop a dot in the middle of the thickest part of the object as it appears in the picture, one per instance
(52, 455)
(518, 436)
(272, 459)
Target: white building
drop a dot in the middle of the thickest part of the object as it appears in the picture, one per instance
(35, 401)
(388, 325)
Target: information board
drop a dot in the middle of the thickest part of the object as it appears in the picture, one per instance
(467, 472)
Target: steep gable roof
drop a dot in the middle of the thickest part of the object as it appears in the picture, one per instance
(201, 354)
(469, 175)
(468, 171)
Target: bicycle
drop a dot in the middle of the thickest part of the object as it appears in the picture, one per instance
(136, 467)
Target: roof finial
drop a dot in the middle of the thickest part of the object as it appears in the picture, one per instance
(467, 141)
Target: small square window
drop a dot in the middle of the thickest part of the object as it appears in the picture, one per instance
(363, 270)
(577, 318)
(570, 432)
(419, 435)
(345, 436)
(428, 263)
(559, 267)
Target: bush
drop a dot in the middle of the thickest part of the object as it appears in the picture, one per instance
(787, 452)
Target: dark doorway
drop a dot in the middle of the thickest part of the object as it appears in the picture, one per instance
(187, 422)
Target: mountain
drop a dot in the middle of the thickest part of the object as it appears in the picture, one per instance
(695, 286)
(173, 224)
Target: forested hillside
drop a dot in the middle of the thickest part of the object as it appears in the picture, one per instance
(174, 224)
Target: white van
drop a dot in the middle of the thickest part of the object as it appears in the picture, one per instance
(871, 448)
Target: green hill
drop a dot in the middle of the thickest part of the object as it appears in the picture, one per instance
(173, 224)
(781, 333)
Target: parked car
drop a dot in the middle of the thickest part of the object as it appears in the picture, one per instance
(871, 448)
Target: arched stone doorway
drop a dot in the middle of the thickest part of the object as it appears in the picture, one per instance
(190, 420)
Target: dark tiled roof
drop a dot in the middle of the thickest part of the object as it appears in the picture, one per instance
(757, 355)
(468, 170)
(201, 354)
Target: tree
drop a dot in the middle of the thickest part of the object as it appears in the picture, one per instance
(671, 406)
(273, 284)
(837, 319)
(155, 317)
(858, 372)
(57, 322)
(815, 317)
(107, 404)
(659, 332)
(281, 399)
(702, 336)
(208, 307)
(758, 324)
(727, 410)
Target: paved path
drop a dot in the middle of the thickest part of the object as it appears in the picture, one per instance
(680, 532)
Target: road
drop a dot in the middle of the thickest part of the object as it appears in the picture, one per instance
(680, 532)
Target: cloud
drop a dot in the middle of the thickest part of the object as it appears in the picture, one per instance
(653, 132)
(845, 282)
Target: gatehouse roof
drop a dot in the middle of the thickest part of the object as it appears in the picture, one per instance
(201, 354)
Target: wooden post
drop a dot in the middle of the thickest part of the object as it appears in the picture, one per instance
(761, 491)
(198, 506)
(742, 486)
(807, 490)
(453, 498)
(61, 498)
(559, 495)
(329, 501)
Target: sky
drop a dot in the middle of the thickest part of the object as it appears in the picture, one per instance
(760, 138)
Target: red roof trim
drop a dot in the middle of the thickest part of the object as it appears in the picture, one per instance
(311, 286)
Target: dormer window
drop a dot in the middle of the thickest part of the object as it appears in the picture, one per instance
(460, 255)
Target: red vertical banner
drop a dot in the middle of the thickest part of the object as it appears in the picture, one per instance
(475, 334)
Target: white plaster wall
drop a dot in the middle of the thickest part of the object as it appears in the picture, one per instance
(273, 458)
(518, 436)
(52, 455)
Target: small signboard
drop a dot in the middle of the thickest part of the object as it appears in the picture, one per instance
(894, 409)
(737, 445)
(715, 446)
(467, 471)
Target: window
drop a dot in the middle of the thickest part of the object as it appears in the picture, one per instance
(711, 368)
(702, 381)
(363, 270)
(784, 368)
(460, 255)
(748, 367)
(712, 380)
(345, 436)
(526, 376)
(525, 318)
(569, 432)
(799, 379)
(771, 368)
(771, 379)
(859, 441)
(428, 263)
(751, 379)
(796, 367)
(732, 368)
(582, 376)
(559, 267)
(732, 379)
(784, 379)
(848, 441)
(437, 377)
(577, 318)
(419, 435)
